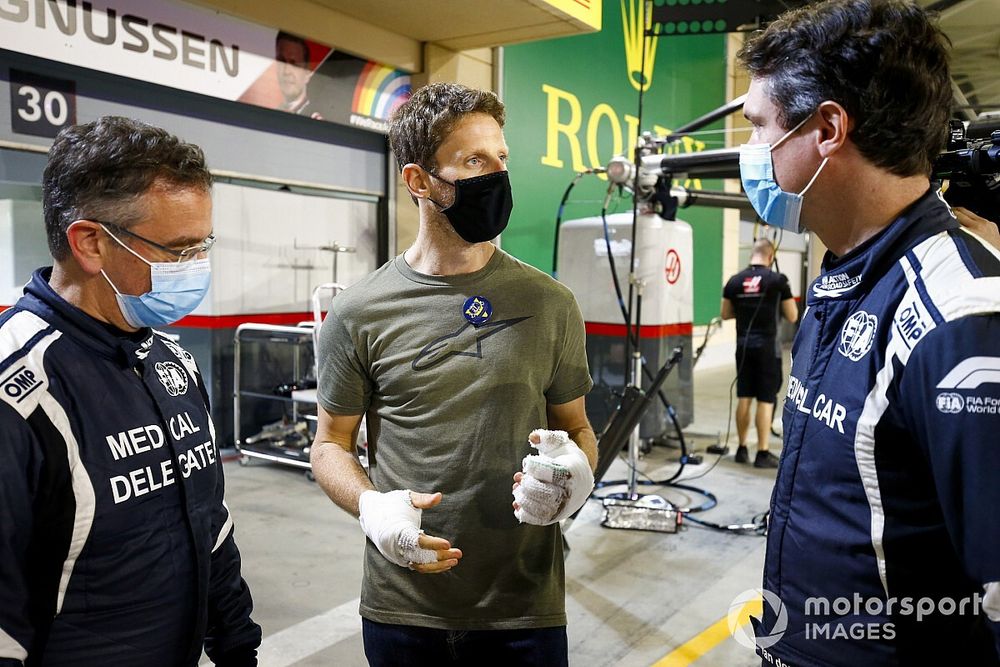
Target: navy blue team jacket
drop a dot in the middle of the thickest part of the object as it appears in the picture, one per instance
(889, 485)
(116, 547)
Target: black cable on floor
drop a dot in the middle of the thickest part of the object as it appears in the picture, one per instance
(634, 338)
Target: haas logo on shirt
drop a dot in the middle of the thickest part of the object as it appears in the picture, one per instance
(172, 377)
(751, 285)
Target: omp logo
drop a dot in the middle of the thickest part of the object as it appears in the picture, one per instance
(911, 323)
(858, 334)
(950, 403)
(635, 23)
(19, 384)
(972, 373)
(467, 341)
(172, 377)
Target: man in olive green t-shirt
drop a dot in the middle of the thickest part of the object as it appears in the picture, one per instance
(455, 352)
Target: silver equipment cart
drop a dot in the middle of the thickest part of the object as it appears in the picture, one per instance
(280, 410)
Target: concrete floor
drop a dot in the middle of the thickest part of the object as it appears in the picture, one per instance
(632, 597)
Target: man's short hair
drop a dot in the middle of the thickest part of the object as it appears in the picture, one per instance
(419, 127)
(289, 37)
(762, 248)
(884, 61)
(99, 170)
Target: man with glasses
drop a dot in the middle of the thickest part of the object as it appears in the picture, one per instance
(116, 547)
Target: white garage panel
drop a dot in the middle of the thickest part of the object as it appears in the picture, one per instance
(269, 252)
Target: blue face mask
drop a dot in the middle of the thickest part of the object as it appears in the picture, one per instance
(176, 290)
(775, 206)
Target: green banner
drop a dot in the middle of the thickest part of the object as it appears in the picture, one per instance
(572, 104)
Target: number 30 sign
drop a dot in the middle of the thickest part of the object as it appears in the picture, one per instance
(41, 105)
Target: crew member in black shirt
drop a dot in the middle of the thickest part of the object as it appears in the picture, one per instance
(757, 297)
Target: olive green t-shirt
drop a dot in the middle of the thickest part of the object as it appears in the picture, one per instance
(450, 404)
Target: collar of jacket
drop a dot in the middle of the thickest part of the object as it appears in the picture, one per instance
(855, 272)
(41, 299)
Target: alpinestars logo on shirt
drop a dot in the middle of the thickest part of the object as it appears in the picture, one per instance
(467, 341)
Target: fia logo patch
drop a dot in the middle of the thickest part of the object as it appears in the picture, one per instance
(950, 403)
(172, 377)
(858, 334)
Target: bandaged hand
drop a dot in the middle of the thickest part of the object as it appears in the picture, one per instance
(392, 522)
(553, 484)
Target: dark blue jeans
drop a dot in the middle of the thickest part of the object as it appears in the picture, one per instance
(410, 646)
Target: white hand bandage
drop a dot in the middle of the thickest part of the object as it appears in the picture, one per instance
(392, 523)
(556, 482)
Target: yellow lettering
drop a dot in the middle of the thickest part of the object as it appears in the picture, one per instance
(570, 128)
(685, 145)
(593, 124)
(557, 124)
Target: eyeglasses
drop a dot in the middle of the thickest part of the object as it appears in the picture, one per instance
(185, 255)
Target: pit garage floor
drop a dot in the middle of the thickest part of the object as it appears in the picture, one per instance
(634, 599)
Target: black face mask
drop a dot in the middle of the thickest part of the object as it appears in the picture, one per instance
(481, 208)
